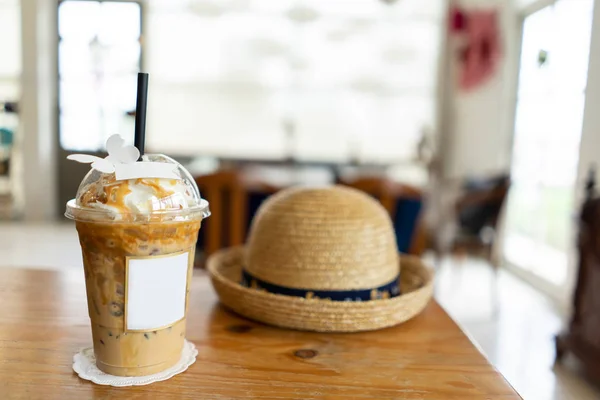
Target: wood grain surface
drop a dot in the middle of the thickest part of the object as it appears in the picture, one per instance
(43, 322)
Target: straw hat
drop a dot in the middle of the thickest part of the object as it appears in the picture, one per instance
(321, 259)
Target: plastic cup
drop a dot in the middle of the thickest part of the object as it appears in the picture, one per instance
(138, 251)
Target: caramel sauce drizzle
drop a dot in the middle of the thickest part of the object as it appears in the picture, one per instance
(154, 184)
(115, 196)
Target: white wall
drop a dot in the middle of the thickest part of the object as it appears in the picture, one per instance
(478, 126)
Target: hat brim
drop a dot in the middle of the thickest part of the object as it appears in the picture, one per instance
(416, 285)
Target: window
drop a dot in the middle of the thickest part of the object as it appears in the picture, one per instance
(348, 79)
(10, 49)
(10, 92)
(99, 57)
(550, 105)
(322, 80)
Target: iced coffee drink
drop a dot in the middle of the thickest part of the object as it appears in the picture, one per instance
(136, 235)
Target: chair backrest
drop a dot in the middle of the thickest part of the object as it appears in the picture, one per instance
(261, 181)
(403, 203)
(379, 188)
(482, 202)
(227, 200)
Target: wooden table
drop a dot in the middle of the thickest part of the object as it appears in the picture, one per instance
(43, 322)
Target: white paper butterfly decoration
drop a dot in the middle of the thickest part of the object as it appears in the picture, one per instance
(123, 162)
(117, 154)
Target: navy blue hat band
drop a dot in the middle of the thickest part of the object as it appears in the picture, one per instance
(389, 290)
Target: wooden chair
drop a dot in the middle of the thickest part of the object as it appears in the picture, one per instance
(228, 204)
(477, 213)
(379, 188)
(391, 194)
(261, 181)
(234, 196)
(473, 227)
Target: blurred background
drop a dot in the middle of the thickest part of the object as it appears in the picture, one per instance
(474, 122)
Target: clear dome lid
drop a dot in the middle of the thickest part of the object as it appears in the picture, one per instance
(103, 198)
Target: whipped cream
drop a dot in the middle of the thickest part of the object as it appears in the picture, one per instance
(137, 196)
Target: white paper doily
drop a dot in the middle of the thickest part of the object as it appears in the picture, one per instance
(84, 364)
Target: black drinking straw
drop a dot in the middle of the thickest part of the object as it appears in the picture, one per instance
(140, 112)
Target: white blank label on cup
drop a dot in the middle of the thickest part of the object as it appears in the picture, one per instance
(156, 291)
